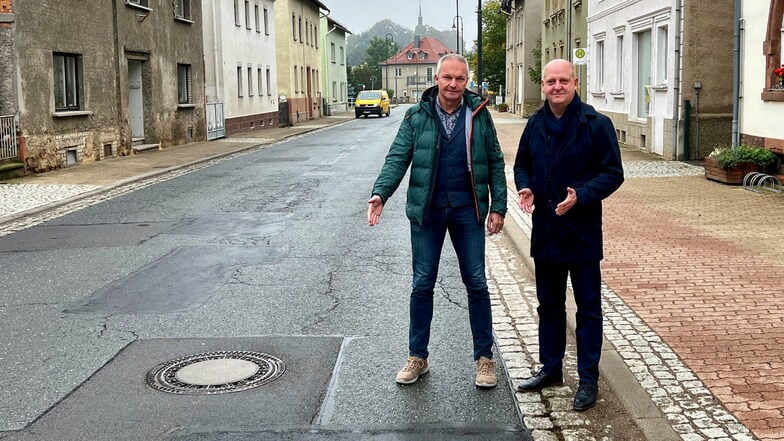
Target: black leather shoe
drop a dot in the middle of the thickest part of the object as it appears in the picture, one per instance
(540, 381)
(585, 398)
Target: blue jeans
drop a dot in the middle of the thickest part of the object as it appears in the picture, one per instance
(551, 293)
(468, 240)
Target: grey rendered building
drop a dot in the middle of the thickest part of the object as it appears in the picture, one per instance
(92, 82)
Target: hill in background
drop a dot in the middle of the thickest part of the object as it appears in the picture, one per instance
(357, 45)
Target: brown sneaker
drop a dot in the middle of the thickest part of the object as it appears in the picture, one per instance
(415, 367)
(485, 373)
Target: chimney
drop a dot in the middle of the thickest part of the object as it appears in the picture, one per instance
(416, 41)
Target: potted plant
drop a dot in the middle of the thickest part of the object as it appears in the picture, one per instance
(502, 107)
(730, 165)
(779, 73)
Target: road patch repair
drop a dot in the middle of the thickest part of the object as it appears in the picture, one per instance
(117, 402)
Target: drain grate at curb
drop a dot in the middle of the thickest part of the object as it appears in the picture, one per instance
(215, 373)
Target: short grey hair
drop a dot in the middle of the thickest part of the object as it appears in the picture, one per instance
(457, 57)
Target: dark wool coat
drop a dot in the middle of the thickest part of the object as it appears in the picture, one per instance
(417, 143)
(587, 160)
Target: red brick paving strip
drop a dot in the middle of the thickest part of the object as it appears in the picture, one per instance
(703, 265)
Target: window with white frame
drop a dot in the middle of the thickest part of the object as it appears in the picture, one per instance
(239, 81)
(409, 56)
(619, 65)
(598, 84)
(236, 12)
(250, 81)
(269, 81)
(334, 91)
(332, 52)
(661, 55)
(398, 72)
(182, 9)
(266, 21)
(302, 79)
(342, 55)
(247, 14)
(294, 27)
(259, 80)
(296, 79)
(299, 30)
(429, 73)
(142, 3)
(184, 81)
(257, 17)
(67, 81)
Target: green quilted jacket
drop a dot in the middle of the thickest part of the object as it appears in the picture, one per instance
(416, 145)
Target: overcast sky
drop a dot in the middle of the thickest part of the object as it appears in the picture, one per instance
(359, 15)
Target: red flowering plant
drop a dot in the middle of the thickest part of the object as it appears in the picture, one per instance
(779, 72)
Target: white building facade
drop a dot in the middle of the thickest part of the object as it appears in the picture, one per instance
(662, 70)
(631, 69)
(762, 95)
(240, 62)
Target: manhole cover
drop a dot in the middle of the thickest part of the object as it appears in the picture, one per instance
(216, 372)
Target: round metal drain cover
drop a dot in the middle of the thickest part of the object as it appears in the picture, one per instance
(216, 372)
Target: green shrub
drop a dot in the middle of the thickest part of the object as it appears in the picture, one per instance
(729, 157)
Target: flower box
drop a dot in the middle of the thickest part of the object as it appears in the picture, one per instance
(733, 175)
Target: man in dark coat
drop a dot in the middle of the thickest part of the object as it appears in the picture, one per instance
(568, 160)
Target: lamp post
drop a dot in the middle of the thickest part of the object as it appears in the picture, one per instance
(454, 25)
(457, 24)
(416, 76)
(387, 39)
(372, 82)
(479, 47)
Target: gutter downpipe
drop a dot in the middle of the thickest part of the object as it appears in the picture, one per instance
(677, 81)
(736, 76)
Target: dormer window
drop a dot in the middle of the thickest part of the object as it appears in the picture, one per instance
(422, 55)
(409, 56)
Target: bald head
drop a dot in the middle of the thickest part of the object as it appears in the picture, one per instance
(558, 64)
(559, 85)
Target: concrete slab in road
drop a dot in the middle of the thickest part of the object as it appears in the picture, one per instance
(116, 403)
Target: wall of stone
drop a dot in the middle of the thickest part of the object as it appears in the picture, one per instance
(7, 62)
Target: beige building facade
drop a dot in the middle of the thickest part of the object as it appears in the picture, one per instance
(298, 54)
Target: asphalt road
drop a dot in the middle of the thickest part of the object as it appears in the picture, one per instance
(265, 252)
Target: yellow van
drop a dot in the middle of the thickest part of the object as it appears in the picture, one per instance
(371, 102)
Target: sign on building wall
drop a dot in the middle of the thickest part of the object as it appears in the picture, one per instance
(579, 56)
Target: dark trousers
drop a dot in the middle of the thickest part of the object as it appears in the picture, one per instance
(468, 240)
(551, 293)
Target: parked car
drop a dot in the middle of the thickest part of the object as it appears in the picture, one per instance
(371, 102)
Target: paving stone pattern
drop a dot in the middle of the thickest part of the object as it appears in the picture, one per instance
(702, 263)
(15, 198)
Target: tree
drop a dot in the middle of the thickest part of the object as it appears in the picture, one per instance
(379, 51)
(361, 76)
(535, 71)
(493, 45)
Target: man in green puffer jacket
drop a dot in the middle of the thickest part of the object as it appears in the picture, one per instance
(457, 178)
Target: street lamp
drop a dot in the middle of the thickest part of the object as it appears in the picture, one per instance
(457, 24)
(479, 46)
(416, 75)
(372, 82)
(389, 37)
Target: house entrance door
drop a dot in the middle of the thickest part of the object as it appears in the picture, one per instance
(135, 99)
